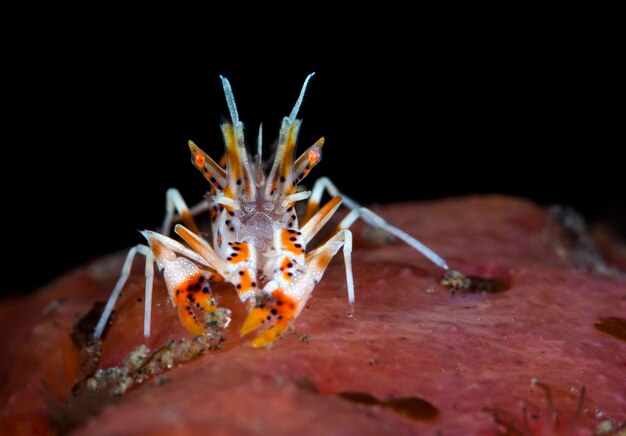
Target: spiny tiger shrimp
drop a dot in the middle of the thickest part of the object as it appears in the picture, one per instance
(257, 241)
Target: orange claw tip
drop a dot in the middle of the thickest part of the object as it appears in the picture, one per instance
(255, 318)
(269, 336)
(189, 321)
(262, 341)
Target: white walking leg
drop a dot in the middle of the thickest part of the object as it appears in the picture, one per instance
(128, 263)
(176, 209)
(377, 221)
(324, 184)
(199, 208)
(147, 309)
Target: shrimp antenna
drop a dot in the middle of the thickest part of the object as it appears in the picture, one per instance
(230, 100)
(296, 108)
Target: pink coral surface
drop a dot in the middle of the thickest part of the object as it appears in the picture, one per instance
(471, 356)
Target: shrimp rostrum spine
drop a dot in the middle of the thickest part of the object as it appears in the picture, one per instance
(258, 243)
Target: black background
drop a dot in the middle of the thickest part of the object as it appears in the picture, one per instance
(96, 125)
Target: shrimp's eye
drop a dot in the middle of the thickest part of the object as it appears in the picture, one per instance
(199, 159)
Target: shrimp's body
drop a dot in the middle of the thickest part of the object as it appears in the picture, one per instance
(258, 243)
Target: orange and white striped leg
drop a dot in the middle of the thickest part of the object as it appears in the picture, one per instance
(319, 259)
(324, 184)
(285, 301)
(291, 287)
(178, 271)
(187, 283)
(277, 313)
(343, 236)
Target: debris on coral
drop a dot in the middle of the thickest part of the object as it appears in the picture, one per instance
(93, 392)
(567, 233)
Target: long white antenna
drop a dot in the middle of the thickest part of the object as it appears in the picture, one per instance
(230, 100)
(259, 145)
(296, 108)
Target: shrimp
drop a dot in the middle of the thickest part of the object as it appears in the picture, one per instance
(257, 242)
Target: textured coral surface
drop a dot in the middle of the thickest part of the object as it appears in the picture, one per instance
(416, 359)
